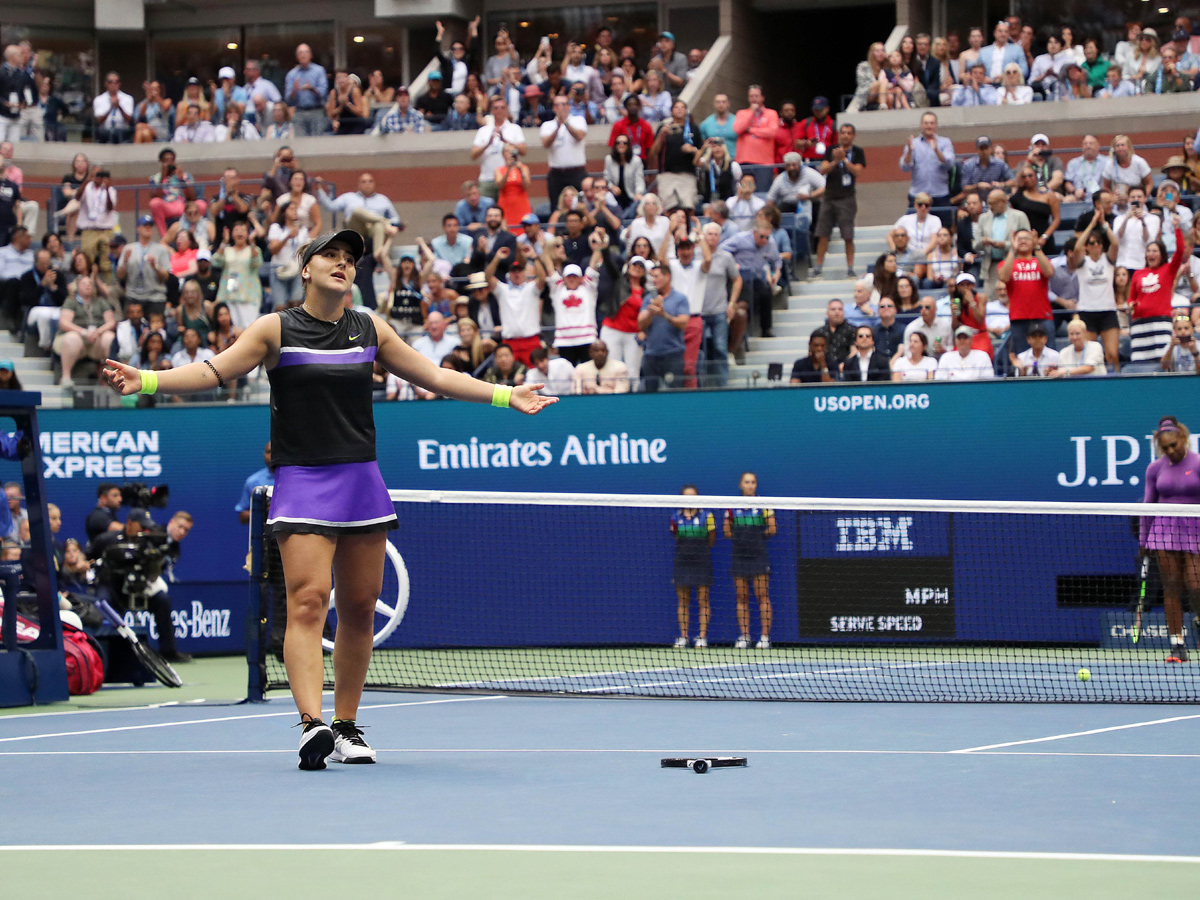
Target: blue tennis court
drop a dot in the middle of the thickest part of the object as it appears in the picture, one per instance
(903, 799)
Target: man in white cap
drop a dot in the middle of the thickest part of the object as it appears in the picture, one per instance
(1049, 168)
(574, 296)
(964, 363)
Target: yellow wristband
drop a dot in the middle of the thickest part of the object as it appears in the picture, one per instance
(501, 396)
(149, 381)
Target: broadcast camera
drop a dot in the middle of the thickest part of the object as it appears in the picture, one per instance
(133, 565)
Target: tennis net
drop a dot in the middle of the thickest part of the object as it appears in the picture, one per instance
(868, 599)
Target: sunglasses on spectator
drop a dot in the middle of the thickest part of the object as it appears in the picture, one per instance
(921, 204)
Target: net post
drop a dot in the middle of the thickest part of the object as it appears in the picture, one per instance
(257, 605)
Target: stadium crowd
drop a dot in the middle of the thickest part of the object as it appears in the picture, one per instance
(647, 275)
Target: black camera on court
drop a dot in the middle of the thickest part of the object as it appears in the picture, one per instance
(131, 566)
(135, 493)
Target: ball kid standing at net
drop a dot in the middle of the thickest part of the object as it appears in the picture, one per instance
(695, 532)
(1174, 478)
(748, 529)
(330, 511)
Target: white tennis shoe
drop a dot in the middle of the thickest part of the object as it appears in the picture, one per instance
(764, 643)
(349, 746)
(701, 643)
(681, 643)
(742, 643)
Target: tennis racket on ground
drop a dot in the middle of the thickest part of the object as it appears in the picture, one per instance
(155, 664)
(1143, 574)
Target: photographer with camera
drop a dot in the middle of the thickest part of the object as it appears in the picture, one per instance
(1182, 354)
(1048, 167)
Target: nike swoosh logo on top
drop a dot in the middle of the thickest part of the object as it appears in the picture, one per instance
(355, 337)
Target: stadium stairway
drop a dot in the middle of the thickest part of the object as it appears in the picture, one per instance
(805, 306)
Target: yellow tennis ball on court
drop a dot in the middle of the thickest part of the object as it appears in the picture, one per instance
(1083, 675)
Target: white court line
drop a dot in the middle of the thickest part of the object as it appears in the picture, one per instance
(670, 750)
(1063, 737)
(107, 709)
(35, 737)
(592, 848)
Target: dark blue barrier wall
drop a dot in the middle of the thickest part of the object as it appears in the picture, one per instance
(1074, 440)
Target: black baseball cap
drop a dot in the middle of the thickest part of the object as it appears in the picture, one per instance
(141, 516)
(352, 238)
(1037, 328)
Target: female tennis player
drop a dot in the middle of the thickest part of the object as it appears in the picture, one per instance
(695, 533)
(748, 529)
(330, 510)
(1174, 478)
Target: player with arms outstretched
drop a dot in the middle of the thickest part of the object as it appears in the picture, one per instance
(330, 510)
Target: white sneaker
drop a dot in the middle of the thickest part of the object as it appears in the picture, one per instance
(681, 643)
(316, 743)
(741, 643)
(764, 643)
(349, 746)
(701, 644)
(66, 383)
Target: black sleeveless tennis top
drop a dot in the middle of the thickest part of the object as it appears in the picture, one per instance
(321, 411)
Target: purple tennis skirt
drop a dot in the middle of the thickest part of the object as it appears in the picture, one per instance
(1169, 533)
(347, 498)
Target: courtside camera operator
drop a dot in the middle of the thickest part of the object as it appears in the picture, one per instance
(132, 564)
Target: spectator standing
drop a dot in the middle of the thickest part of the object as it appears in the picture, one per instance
(927, 69)
(964, 363)
(563, 137)
(1002, 52)
(1150, 298)
(239, 261)
(787, 138)
(574, 293)
(656, 101)
(1135, 230)
(285, 237)
(929, 159)
(669, 63)
(759, 263)
(97, 219)
(677, 154)
(10, 202)
(816, 133)
(720, 122)
(755, 127)
(144, 267)
(256, 90)
(305, 89)
(113, 113)
(489, 145)
(718, 174)
(620, 331)
(663, 317)
(264, 477)
(633, 127)
(600, 375)
(719, 286)
(520, 301)
(996, 229)
(841, 167)
(1026, 272)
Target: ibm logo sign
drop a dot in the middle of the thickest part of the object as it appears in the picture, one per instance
(873, 535)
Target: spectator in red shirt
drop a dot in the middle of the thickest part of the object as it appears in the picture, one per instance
(756, 126)
(633, 126)
(1026, 274)
(787, 138)
(1150, 292)
(817, 132)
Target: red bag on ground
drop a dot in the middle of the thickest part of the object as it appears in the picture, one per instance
(85, 670)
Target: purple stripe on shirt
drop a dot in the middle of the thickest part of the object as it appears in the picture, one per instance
(366, 355)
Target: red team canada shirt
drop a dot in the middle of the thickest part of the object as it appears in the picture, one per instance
(1028, 291)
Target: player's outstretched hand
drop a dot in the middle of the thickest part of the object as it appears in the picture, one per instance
(121, 378)
(524, 399)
